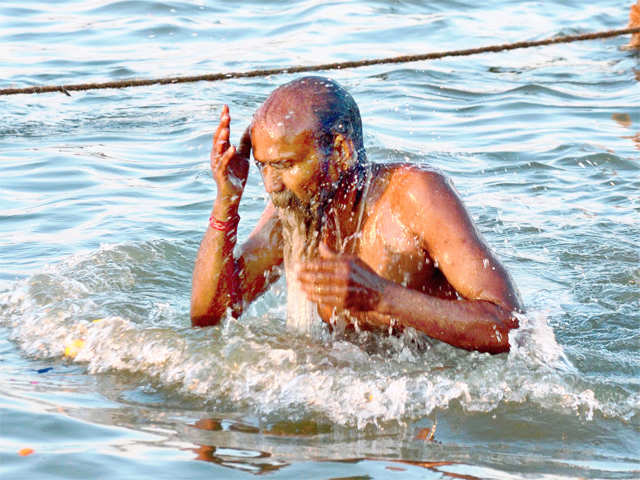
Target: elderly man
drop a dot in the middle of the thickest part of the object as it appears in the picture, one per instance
(382, 246)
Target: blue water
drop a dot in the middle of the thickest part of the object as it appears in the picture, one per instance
(105, 195)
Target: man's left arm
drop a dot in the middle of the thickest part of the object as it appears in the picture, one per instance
(426, 204)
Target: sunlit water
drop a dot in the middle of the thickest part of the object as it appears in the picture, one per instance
(105, 196)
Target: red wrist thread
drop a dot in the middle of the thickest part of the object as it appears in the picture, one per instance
(224, 226)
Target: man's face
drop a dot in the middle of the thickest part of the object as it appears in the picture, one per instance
(291, 165)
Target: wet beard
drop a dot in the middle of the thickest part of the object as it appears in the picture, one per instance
(302, 229)
(301, 224)
(301, 233)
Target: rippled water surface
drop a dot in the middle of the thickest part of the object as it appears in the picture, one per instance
(105, 195)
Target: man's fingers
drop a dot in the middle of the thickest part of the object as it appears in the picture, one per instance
(221, 140)
(325, 269)
(221, 159)
(324, 289)
(326, 251)
(326, 295)
(244, 147)
(222, 132)
(327, 301)
(310, 280)
(225, 119)
(226, 157)
(322, 263)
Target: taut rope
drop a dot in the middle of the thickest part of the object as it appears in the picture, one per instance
(214, 77)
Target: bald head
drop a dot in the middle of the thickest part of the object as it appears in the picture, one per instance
(315, 104)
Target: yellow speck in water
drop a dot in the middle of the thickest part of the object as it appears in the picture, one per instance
(73, 347)
(97, 320)
(427, 434)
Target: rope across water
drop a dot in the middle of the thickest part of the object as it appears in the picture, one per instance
(213, 77)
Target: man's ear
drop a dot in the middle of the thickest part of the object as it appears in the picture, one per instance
(343, 153)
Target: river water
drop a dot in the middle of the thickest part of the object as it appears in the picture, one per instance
(105, 195)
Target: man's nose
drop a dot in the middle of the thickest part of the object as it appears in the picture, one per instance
(272, 180)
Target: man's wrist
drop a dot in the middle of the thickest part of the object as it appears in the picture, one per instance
(224, 211)
(390, 293)
(224, 225)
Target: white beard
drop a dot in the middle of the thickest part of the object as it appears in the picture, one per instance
(301, 233)
(301, 238)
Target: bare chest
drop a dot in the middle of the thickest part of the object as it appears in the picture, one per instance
(394, 252)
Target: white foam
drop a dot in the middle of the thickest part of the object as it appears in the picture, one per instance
(255, 363)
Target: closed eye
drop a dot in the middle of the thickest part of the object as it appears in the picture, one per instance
(281, 165)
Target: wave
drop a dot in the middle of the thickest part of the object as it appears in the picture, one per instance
(123, 308)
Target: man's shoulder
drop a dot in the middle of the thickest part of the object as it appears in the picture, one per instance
(419, 195)
(409, 179)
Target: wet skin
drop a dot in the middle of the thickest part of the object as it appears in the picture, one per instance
(418, 260)
(634, 21)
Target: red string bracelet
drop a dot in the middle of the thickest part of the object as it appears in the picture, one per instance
(224, 226)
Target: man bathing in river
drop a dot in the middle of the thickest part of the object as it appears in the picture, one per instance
(372, 245)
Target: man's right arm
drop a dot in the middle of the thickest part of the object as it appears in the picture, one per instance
(221, 281)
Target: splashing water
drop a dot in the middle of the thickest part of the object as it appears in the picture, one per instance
(360, 380)
(302, 314)
(543, 149)
(299, 242)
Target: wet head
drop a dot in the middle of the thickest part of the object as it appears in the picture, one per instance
(305, 136)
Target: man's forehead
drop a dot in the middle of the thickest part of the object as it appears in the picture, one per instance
(284, 121)
(271, 144)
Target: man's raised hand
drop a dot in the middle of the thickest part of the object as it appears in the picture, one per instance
(230, 166)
